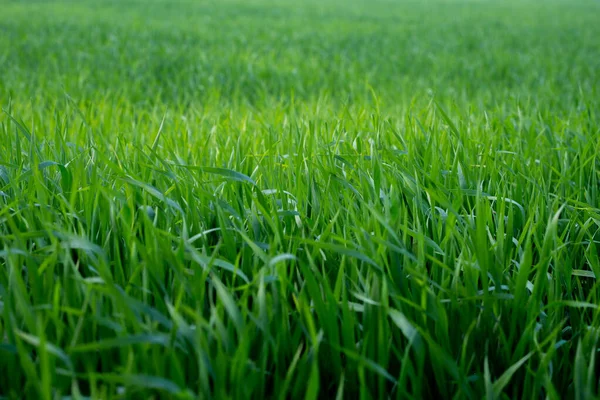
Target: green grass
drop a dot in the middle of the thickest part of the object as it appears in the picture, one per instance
(283, 199)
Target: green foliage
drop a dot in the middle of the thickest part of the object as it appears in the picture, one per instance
(274, 199)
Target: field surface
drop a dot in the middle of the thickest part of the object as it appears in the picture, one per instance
(300, 199)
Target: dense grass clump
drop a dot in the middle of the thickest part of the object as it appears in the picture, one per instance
(276, 199)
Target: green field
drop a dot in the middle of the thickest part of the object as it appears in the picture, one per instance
(300, 199)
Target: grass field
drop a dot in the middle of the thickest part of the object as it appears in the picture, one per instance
(300, 199)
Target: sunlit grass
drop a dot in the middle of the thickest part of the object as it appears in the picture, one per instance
(272, 199)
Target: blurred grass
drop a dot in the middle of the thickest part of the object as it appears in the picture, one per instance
(314, 199)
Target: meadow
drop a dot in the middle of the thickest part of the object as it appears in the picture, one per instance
(299, 199)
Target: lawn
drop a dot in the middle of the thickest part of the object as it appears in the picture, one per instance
(300, 199)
